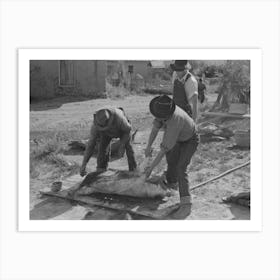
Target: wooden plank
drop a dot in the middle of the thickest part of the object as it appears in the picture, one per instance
(238, 108)
(226, 115)
(145, 207)
(134, 208)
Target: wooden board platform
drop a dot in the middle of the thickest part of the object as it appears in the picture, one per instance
(226, 115)
(158, 209)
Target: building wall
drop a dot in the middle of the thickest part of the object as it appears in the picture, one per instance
(112, 67)
(139, 67)
(89, 79)
(42, 78)
(214, 62)
(101, 76)
(90, 76)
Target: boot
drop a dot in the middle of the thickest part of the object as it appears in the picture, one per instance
(185, 208)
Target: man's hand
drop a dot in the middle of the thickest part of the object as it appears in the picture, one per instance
(148, 171)
(156, 161)
(121, 151)
(148, 151)
(83, 171)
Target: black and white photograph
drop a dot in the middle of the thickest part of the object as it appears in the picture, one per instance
(140, 139)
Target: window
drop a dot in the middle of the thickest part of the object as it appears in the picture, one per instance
(109, 69)
(66, 73)
(130, 69)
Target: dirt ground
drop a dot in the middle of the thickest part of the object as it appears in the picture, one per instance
(67, 119)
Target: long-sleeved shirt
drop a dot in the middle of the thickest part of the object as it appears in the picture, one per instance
(180, 127)
(118, 127)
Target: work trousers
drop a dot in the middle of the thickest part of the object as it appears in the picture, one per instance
(178, 159)
(104, 152)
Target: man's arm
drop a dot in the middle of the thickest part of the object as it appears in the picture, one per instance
(124, 138)
(124, 126)
(90, 147)
(152, 137)
(168, 142)
(194, 103)
(173, 78)
(155, 162)
(191, 89)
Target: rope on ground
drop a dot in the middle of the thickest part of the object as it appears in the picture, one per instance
(221, 175)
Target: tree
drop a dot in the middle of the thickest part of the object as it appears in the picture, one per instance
(198, 66)
(235, 86)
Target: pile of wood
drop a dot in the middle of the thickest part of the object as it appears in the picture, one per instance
(242, 199)
(210, 132)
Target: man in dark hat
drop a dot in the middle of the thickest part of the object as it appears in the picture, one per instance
(107, 124)
(180, 141)
(185, 88)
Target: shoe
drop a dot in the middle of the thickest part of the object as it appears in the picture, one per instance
(184, 210)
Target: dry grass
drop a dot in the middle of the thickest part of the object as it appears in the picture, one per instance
(119, 92)
(47, 155)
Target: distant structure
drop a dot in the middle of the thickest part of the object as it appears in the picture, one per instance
(123, 68)
(156, 68)
(214, 62)
(130, 72)
(50, 78)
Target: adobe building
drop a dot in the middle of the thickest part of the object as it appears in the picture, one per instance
(50, 78)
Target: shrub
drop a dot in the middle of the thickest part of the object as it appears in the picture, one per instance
(44, 150)
(236, 77)
(211, 71)
(166, 76)
(116, 92)
(214, 81)
(198, 66)
(48, 154)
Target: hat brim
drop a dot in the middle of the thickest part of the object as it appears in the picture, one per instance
(103, 126)
(175, 67)
(158, 114)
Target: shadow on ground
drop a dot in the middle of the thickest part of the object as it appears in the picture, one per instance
(239, 212)
(54, 103)
(50, 208)
(129, 208)
(61, 209)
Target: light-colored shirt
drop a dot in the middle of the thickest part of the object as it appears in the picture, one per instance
(191, 86)
(179, 127)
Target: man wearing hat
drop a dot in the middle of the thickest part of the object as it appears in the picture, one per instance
(107, 124)
(179, 143)
(185, 88)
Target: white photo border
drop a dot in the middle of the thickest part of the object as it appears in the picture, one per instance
(255, 222)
